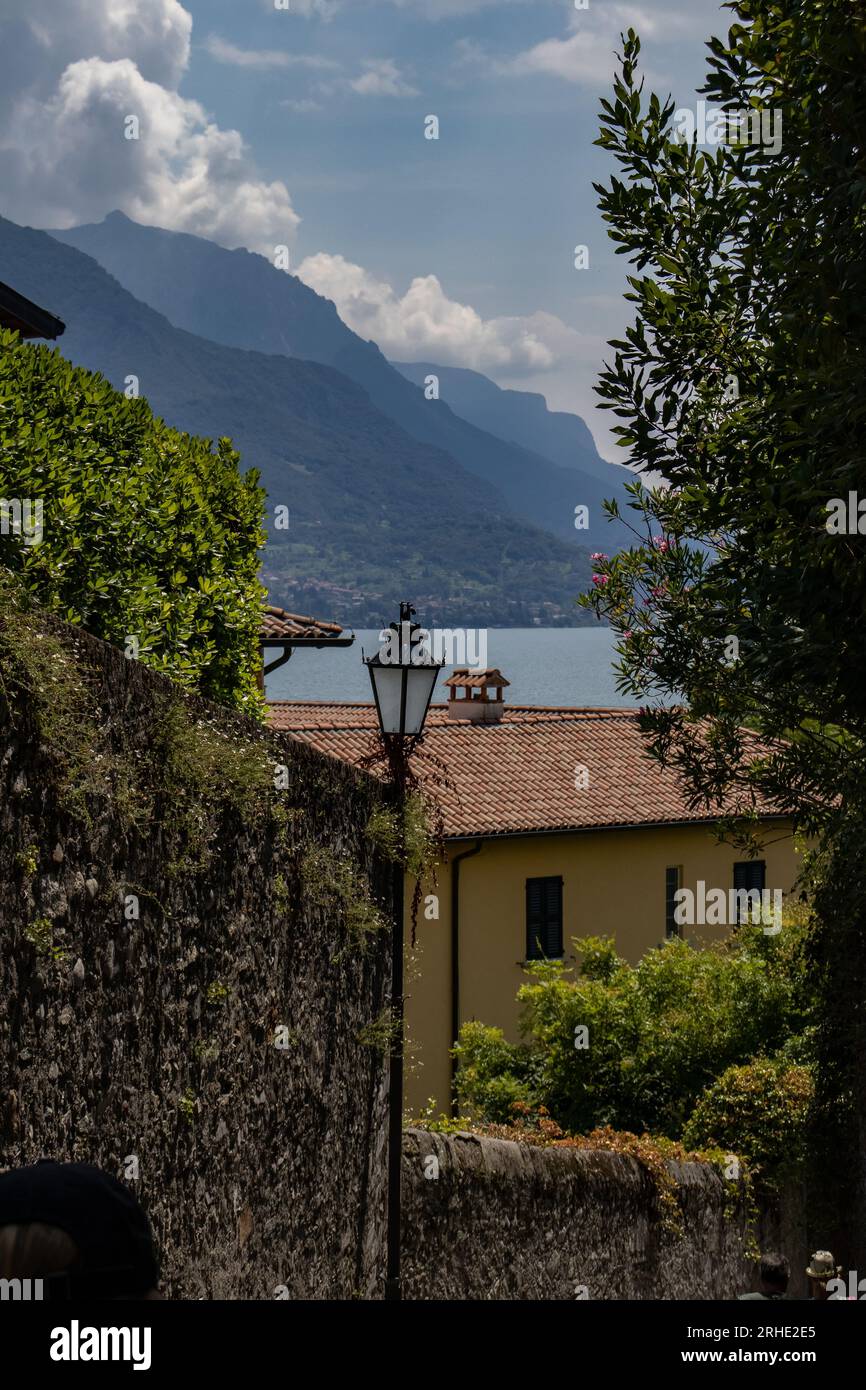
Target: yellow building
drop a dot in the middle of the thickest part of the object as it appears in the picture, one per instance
(557, 825)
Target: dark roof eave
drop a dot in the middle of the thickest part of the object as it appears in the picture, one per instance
(455, 836)
(31, 320)
(285, 642)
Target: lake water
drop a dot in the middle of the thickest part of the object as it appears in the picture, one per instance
(546, 666)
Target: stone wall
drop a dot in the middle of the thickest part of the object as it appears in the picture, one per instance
(165, 918)
(491, 1219)
(163, 926)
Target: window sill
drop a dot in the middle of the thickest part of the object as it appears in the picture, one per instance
(536, 960)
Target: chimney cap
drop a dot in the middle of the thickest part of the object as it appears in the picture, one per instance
(466, 679)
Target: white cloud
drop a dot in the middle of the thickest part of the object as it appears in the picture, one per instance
(153, 34)
(585, 54)
(425, 323)
(536, 352)
(262, 58)
(382, 78)
(63, 155)
(300, 104)
(71, 72)
(449, 9)
(426, 9)
(323, 9)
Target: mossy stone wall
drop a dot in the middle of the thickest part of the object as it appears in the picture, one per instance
(181, 1000)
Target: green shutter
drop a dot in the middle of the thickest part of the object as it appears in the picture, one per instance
(673, 876)
(543, 918)
(750, 874)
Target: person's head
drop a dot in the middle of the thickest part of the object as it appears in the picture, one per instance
(77, 1229)
(820, 1270)
(775, 1273)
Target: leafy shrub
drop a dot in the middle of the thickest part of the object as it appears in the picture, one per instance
(761, 1110)
(147, 532)
(438, 1122)
(659, 1033)
(493, 1074)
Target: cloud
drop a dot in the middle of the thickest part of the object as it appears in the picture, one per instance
(153, 34)
(70, 75)
(588, 52)
(321, 9)
(425, 323)
(300, 104)
(262, 58)
(450, 9)
(425, 9)
(585, 54)
(536, 352)
(64, 157)
(382, 78)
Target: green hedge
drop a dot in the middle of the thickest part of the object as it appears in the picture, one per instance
(761, 1109)
(147, 532)
(660, 1046)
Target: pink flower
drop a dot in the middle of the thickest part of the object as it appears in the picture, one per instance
(600, 580)
(627, 634)
(598, 555)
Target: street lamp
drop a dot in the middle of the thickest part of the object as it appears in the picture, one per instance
(403, 675)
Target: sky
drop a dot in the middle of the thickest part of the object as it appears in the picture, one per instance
(301, 124)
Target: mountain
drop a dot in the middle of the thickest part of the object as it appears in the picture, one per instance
(522, 417)
(375, 515)
(241, 300)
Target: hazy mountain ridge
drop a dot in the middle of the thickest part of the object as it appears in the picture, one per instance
(241, 300)
(523, 417)
(370, 506)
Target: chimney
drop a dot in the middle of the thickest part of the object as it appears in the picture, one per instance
(477, 702)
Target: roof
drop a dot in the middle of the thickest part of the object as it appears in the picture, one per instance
(518, 776)
(465, 679)
(279, 627)
(27, 317)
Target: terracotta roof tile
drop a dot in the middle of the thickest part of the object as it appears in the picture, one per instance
(465, 679)
(519, 775)
(279, 625)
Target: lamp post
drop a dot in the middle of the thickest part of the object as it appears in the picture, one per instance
(403, 676)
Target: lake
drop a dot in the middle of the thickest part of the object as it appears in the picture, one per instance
(546, 666)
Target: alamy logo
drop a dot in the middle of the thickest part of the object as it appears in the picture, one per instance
(716, 908)
(855, 1288)
(846, 518)
(77, 1343)
(21, 516)
(21, 1290)
(421, 646)
(708, 125)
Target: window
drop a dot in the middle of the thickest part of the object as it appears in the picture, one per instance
(750, 875)
(543, 918)
(673, 882)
